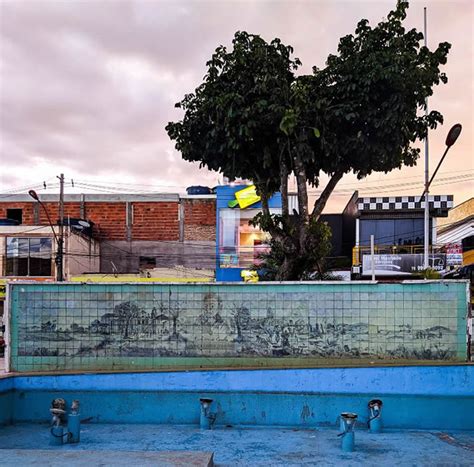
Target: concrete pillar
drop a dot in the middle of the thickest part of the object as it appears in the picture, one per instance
(128, 220)
(83, 206)
(36, 213)
(357, 232)
(181, 220)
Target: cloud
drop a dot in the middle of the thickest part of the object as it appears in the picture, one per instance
(87, 87)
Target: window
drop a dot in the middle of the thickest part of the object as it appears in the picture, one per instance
(398, 231)
(240, 244)
(28, 257)
(15, 215)
(147, 262)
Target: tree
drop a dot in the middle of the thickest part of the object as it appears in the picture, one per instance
(126, 312)
(254, 118)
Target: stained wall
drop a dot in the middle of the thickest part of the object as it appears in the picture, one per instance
(162, 326)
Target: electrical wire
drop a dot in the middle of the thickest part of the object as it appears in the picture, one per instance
(468, 176)
(29, 186)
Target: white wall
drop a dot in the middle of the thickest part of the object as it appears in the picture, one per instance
(82, 254)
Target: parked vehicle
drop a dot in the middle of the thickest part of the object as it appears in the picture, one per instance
(466, 272)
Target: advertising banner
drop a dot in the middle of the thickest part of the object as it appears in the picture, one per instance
(454, 254)
(400, 265)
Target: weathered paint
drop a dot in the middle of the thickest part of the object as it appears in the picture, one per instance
(111, 444)
(413, 397)
(150, 326)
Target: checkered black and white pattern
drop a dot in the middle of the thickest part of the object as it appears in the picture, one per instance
(403, 202)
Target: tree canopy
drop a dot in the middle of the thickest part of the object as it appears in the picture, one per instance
(254, 117)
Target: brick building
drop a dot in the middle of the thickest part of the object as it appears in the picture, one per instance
(136, 232)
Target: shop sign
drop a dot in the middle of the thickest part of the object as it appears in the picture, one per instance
(454, 254)
(401, 265)
(245, 198)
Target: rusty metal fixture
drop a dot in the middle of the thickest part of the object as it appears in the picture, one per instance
(207, 418)
(58, 410)
(375, 415)
(75, 407)
(375, 404)
(206, 402)
(348, 421)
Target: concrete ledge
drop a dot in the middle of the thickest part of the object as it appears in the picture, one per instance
(95, 458)
(243, 446)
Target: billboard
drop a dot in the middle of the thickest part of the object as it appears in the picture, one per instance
(400, 265)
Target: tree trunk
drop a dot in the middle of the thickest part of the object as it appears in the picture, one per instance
(301, 182)
(287, 270)
(320, 203)
(297, 239)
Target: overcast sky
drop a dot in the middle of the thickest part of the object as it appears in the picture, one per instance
(87, 87)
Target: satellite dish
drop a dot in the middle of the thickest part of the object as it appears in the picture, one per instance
(84, 224)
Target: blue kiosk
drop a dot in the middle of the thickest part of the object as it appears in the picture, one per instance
(238, 244)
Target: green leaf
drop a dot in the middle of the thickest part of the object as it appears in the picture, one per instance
(288, 122)
(316, 132)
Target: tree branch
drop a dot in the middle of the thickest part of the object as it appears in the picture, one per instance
(320, 203)
(284, 189)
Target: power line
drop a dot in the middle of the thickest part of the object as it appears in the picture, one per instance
(26, 187)
(468, 176)
(342, 190)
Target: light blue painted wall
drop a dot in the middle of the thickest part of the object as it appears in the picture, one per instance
(152, 326)
(434, 397)
(444, 381)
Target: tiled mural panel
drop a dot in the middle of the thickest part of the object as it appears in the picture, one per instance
(103, 326)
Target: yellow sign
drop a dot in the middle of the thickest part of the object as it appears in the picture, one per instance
(245, 198)
(249, 276)
(3, 288)
(133, 278)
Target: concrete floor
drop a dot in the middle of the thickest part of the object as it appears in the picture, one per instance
(240, 446)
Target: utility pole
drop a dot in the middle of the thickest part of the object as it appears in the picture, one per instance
(426, 240)
(60, 255)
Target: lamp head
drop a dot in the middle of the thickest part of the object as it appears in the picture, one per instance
(34, 195)
(453, 134)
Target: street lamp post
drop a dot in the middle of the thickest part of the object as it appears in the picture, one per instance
(59, 240)
(453, 135)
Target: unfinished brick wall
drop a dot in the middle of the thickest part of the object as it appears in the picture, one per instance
(200, 219)
(70, 210)
(28, 215)
(155, 221)
(109, 219)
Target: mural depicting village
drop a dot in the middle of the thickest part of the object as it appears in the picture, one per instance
(222, 329)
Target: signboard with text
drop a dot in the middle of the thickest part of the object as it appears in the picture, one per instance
(454, 254)
(400, 265)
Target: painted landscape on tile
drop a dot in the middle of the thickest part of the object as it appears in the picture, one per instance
(167, 322)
